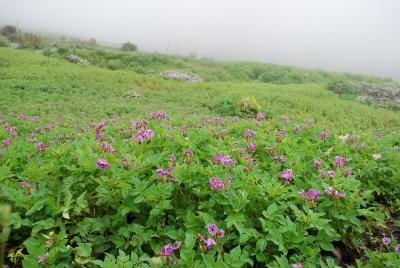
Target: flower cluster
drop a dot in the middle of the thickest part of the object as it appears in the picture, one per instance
(251, 147)
(312, 195)
(41, 147)
(167, 251)
(31, 138)
(165, 174)
(330, 191)
(324, 135)
(215, 233)
(286, 176)
(99, 128)
(223, 159)
(216, 184)
(143, 134)
(326, 174)
(102, 163)
(249, 134)
(42, 259)
(159, 115)
(108, 148)
(281, 158)
(280, 135)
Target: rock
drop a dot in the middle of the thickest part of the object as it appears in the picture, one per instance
(133, 94)
(76, 59)
(383, 96)
(181, 76)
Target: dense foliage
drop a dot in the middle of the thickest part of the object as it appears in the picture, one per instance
(283, 192)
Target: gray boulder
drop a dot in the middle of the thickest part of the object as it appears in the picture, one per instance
(181, 76)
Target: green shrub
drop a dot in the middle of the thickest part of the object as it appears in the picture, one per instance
(249, 106)
(129, 47)
(226, 106)
(4, 41)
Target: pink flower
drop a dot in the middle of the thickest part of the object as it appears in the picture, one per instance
(397, 248)
(324, 135)
(42, 259)
(347, 172)
(330, 173)
(6, 142)
(285, 119)
(188, 152)
(339, 161)
(249, 134)
(386, 240)
(286, 175)
(41, 147)
(108, 148)
(296, 129)
(167, 250)
(297, 265)
(25, 185)
(102, 163)
(281, 159)
(221, 233)
(251, 147)
(158, 115)
(317, 164)
(261, 116)
(212, 229)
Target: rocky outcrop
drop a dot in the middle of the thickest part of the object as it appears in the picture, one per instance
(76, 59)
(181, 76)
(383, 96)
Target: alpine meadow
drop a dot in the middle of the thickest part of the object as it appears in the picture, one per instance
(117, 157)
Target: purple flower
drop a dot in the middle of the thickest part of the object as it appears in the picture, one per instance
(317, 164)
(397, 248)
(188, 152)
(6, 142)
(221, 159)
(312, 195)
(297, 265)
(261, 116)
(221, 233)
(102, 163)
(296, 129)
(144, 134)
(172, 158)
(324, 135)
(386, 240)
(159, 115)
(31, 138)
(330, 191)
(176, 245)
(285, 119)
(330, 173)
(251, 147)
(281, 159)
(339, 161)
(210, 243)
(42, 259)
(25, 184)
(249, 134)
(167, 250)
(108, 148)
(286, 175)
(347, 172)
(280, 135)
(41, 147)
(212, 229)
(100, 127)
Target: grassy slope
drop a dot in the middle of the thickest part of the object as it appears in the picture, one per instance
(32, 83)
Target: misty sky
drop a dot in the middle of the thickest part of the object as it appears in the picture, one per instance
(361, 36)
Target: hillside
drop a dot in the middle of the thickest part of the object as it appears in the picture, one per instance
(36, 83)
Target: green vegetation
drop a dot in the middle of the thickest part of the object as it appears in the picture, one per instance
(237, 150)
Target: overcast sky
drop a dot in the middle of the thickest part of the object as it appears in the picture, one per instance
(360, 36)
